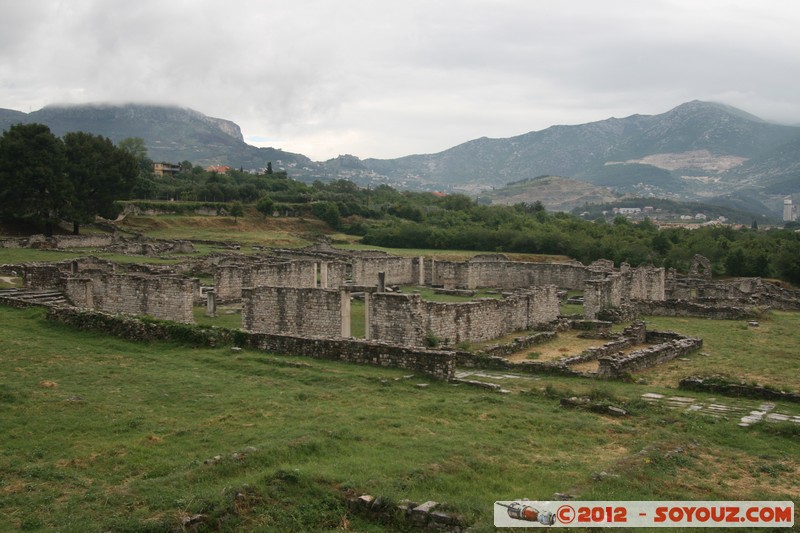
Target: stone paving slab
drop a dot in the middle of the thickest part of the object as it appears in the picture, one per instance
(763, 412)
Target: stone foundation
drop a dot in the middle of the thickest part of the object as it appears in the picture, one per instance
(410, 320)
(435, 363)
(611, 367)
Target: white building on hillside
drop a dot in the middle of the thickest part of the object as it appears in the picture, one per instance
(790, 211)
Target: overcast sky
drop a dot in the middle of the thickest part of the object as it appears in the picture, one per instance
(387, 78)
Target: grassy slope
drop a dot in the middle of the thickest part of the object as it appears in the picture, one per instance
(103, 434)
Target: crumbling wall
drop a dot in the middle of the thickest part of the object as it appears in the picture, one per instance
(399, 270)
(396, 318)
(294, 311)
(684, 308)
(700, 268)
(739, 292)
(616, 366)
(163, 297)
(436, 363)
(42, 276)
(410, 320)
(507, 275)
(616, 290)
(230, 279)
(168, 298)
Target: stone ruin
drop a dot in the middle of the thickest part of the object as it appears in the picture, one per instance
(697, 294)
(136, 289)
(307, 293)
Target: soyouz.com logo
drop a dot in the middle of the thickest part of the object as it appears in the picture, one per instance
(717, 514)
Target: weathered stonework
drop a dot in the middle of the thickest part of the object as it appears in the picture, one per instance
(294, 311)
(229, 280)
(683, 308)
(507, 275)
(435, 363)
(619, 289)
(398, 270)
(616, 366)
(163, 297)
(410, 320)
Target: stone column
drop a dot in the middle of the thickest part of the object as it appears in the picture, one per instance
(323, 275)
(211, 303)
(421, 271)
(381, 281)
(74, 268)
(367, 303)
(345, 309)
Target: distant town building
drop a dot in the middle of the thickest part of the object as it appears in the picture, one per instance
(219, 169)
(162, 169)
(627, 210)
(790, 210)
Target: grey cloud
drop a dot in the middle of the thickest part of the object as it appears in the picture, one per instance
(392, 78)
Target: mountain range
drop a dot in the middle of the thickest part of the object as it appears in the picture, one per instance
(696, 151)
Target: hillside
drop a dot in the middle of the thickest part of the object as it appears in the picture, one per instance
(555, 193)
(171, 134)
(696, 151)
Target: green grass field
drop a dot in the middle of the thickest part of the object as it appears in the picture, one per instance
(101, 434)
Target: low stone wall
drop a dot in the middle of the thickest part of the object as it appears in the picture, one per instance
(436, 363)
(611, 367)
(684, 308)
(60, 242)
(470, 360)
(720, 385)
(517, 345)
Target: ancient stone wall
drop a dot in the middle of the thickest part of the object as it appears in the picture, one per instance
(399, 270)
(683, 308)
(163, 297)
(231, 278)
(618, 289)
(42, 276)
(410, 320)
(617, 366)
(396, 318)
(435, 363)
(60, 241)
(506, 275)
(295, 311)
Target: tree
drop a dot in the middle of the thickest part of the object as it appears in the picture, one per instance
(100, 173)
(32, 180)
(134, 146)
(138, 149)
(328, 212)
(237, 211)
(266, 206)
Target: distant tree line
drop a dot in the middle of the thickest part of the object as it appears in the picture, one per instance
(47, 179)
